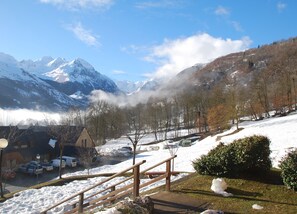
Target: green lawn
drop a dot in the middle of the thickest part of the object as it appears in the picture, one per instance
(266, 191)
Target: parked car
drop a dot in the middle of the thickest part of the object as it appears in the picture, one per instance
(124, 151)
(56, 163)
(31, 168)
(185, 143)
(47, 166)
(127, 148)
(70, 161)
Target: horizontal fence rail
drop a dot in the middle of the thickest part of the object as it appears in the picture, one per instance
(87, 203)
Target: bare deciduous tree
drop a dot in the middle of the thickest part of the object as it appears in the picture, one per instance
(86, 157)
(136, 126)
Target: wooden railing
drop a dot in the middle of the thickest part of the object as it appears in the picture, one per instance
(86, 203)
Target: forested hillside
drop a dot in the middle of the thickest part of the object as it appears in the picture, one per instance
(210, 97)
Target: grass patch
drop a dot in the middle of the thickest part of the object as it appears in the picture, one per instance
(267, 191)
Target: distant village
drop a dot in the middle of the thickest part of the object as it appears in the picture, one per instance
(44, 142)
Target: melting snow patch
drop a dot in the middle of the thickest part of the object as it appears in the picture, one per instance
(257, 207)
(212, 212)
(110, 211)
(219, 186)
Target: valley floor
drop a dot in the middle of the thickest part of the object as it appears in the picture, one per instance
(281, 131)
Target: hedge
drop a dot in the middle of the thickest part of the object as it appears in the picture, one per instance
(250, 154)
(289, 170)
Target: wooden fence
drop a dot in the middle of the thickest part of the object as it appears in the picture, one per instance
(83, 203)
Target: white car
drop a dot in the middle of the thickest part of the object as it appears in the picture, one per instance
(47, 166)
(70, 161)
(56, 163)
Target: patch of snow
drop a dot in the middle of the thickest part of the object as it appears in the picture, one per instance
(110, 211)
(219, 186)
(58, 75)
(9, 60)
(56, 62)
(212, 212)
(77, 95)
(9, 68)
(281, 131)
(82, 62)
(233, 74)
(257, 207)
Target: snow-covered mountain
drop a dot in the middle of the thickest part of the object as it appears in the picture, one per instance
(156, 85)
(49, 83)
(69, 77)
(129, 87)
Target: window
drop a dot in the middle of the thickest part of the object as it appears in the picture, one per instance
(17, 145)
(84, 143)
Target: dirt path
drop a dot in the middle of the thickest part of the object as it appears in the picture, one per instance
(170, 202)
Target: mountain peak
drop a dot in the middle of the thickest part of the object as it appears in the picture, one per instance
(82, 62)
(54, 63)
(5, 58)
(45, 59)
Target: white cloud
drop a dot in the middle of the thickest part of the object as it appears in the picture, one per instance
(157, 4)
(118, 72)
(84, 35)
(281, 6)
(79, 4)
(121, 99)
(237, 26)
(174, 56)
(222, 11)
(134, 49)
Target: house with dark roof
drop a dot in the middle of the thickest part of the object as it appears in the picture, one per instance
(47, 142)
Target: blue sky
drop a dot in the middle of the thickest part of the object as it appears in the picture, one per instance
(135, 40)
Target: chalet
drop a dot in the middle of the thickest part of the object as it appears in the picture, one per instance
(25, 144)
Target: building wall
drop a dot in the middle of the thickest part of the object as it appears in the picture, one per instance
(85, 140)
(11, 160)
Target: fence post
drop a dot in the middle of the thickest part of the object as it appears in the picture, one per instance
(111, 190)
(136, 182)
(81, 203)
(168, 172)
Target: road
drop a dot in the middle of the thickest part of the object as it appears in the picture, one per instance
(23, 181)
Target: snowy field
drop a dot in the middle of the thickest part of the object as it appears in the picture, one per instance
(282, 132)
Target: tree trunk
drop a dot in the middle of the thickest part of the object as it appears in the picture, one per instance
(156, 137)
(60, 167)
(134, 152)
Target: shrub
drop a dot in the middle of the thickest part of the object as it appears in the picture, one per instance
(289, 170)
(252, 153)
(217, 162)
(247, 154)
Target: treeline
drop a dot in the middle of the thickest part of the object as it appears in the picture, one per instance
(268, 84)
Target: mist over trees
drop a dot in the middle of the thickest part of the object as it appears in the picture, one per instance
(252, 83)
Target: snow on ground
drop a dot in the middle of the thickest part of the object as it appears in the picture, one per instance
(281, 131)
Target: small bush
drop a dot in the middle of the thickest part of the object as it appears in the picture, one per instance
(242, 155)
(217, 162)
(252, 153)
(289, 170)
